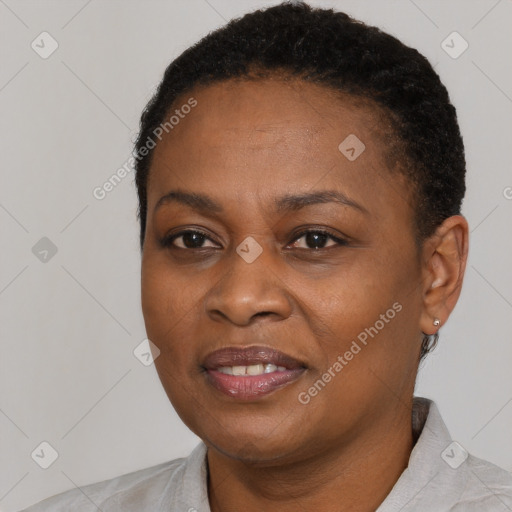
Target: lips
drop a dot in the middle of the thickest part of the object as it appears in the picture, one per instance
(247, 356)
(280, 371)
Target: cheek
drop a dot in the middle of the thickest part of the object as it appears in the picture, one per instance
(153, 296)
(165, 304)
(373, 304)
(169, 321)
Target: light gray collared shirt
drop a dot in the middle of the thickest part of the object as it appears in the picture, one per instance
(441, 477)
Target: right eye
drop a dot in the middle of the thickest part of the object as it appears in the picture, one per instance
(191, 239)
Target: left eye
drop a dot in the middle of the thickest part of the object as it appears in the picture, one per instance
(318, 238)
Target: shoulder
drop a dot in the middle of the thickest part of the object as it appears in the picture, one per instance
(443, 476)
(106, 494)
(486, 487)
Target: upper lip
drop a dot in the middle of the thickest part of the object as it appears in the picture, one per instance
(246, 356)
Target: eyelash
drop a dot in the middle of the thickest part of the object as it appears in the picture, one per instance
(167, 242)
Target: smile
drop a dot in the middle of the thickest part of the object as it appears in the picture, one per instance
(253, 369)
(248, 373)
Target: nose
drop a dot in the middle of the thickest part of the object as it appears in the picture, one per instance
(248, 291)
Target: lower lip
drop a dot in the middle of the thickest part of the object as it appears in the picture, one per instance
(252, 387)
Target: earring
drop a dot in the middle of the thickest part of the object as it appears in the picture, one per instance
(437, 322)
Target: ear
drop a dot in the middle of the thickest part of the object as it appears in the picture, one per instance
(445, 255)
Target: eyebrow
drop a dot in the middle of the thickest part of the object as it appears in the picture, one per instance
(289, 202)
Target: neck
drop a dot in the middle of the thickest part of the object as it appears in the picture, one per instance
(354, 477)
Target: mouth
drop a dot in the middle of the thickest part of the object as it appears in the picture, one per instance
(251, 372)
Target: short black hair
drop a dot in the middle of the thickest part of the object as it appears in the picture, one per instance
(332, 49)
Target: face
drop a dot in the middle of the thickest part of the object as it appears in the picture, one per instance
(295, 246)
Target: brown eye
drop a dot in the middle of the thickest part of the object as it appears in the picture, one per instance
(190, 239)
(316, 239)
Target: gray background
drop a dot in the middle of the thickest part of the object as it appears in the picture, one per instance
(70, 323)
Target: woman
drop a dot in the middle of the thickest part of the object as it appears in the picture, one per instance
(300, 178)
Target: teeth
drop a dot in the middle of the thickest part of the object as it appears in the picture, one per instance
(269, 368)
(253, 369)
(238, 370)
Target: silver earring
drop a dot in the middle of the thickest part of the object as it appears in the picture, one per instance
(436, 321)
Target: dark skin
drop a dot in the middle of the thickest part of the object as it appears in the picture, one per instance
(244, 145)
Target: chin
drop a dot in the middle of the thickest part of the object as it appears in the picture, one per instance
(251, 451)
(252, 445)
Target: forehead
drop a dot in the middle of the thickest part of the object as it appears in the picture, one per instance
(258, 138)
(272, 110)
